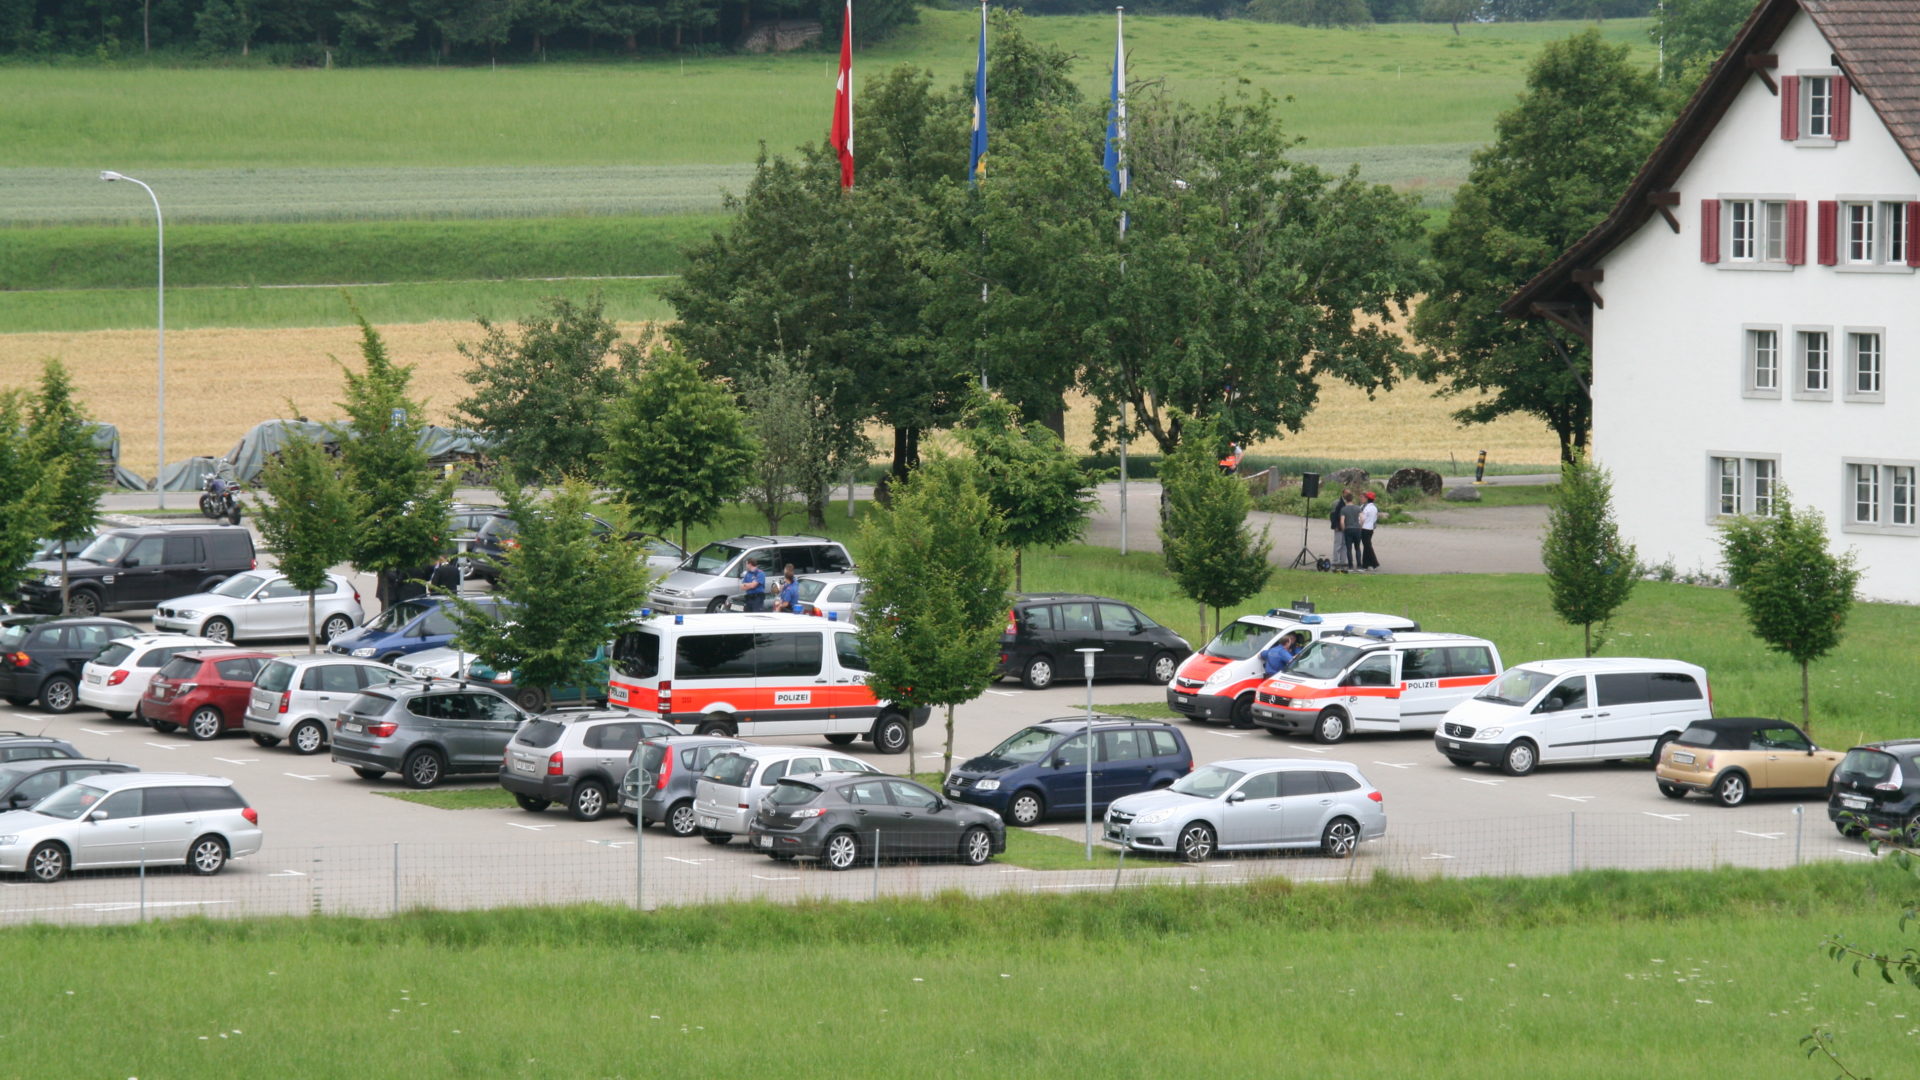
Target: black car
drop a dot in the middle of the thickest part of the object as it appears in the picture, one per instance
(140, 567)
(1877, 786)
(27, 781)
(843, 818)
(42, 658)
(1045, 630)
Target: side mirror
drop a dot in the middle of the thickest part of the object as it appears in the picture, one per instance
(1237, 797)
(97, 815)
(1549, 705)
(1059, 763)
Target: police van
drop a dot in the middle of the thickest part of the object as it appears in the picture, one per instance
(755, 674)
(1375, 680)
(1218, 682)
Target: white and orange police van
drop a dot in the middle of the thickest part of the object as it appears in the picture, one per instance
(755, 674)
(1219, 681)
(1375, 680)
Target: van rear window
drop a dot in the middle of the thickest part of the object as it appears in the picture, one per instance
(636, 655)
(276, 676)
(730, 769)
(539, 734)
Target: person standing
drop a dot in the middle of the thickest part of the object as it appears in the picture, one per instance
(1350, 525)
(1339, 535)
(753, 586)
(1369, 518)
(445, 576)
(789, 598)
(1280, 654)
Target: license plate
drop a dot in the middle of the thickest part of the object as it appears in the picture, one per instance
(766, 841)
(1853, 803)
(94, 678)
(523, 766)
(953, 793)
(351, 727)
(1451, 745)
(1682, 758)
(1182, 699)
(709, 822)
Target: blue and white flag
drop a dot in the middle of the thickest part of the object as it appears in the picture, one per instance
(979, 103)
(1115, 161)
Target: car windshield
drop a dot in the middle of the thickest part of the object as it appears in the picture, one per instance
(239, 586)
(108, 548)
(1208, 781)
(1323, 660)
(1239, 641)
(69, 802)
(712, 559)
(1025, 745)
(793, 793)
(114, 654)
(275, 677)
(400, 615)
(1516, 687)
(730, 769)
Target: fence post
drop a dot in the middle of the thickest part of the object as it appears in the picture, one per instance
(1119, 866)
(1573, 841)
(1799, 828)
(396, 877)
(639, 855)
(876, 864)
(143, 883)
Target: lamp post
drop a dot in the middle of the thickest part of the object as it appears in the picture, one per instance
(1088, 655)
(160, 345)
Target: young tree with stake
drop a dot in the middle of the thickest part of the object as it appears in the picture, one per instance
(306, 519)
(678, 449)
(1039, 491)
(1212, 555)
(1590, 569)
(58, 436)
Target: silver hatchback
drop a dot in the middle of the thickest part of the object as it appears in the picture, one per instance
(1252, 804)
(734, 783)
(295, 698)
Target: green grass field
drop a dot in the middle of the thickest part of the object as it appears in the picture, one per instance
(1601, 975)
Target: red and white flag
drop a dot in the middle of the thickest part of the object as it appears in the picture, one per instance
(841, 135)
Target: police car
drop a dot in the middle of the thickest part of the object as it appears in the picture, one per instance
(1219, 681)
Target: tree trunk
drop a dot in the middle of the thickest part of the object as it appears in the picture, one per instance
(66, 590)
(946, 763)
(817, 509)
(683, 536)
(1017, 553)
(633, 44)
(906, 451)
(313, 634)
(1806, 707)
(1056, 421)
(1587, 628)
(1203, 623)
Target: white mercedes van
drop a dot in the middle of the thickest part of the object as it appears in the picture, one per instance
(1590, 709)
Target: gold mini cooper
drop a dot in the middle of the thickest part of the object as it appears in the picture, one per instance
(1733, 757)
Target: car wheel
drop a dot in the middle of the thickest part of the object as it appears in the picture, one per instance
(531, 699)
(217, 629)
(842, 738)
(532, 804)
(842, 851)
(1520, 758)
(83, 604)
(1163, 668)
(976, 846)
(681, 820)
(719, 728)
(890, 734)
(1672, 791)
(1339, 838)
(1465, 763)
(589, 801)
(111, 715)
(423, 768)
(633, 820)
(207, 855)
(1330, 726)
(1025, 808)
(266, 740)
(48, 863)
(1039, 673)
(369, 774)
(1195, 843)
(1241, 715)
(206, 723)
(334, 627)
(717, 839)
(209, 507)
(1730, 789)
(1660, 747)
(58, 694)
(164, 727)
(716, 605)
(309, 737)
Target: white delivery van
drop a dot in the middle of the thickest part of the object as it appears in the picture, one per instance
(1575, 710)
(1218, 682)
(752, 675)
(1375, 680)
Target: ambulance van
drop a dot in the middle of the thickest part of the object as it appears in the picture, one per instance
(1218, 682)
(1375, 680)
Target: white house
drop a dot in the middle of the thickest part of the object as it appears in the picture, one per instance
(1752, 301)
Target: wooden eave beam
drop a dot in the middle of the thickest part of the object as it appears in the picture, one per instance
(1665, 201)
(1567, 315)
(1762, 64)
(1587, 279)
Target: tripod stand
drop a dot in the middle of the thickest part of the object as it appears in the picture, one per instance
(1306, 560)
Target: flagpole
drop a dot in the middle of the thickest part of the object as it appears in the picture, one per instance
(978, 152)
(1118, 134)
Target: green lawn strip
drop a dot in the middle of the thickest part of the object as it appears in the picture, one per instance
(486, 798)
(1597, 975)
(1146, 710)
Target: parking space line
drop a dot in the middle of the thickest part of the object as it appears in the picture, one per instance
(529, 828)
(287, 873)
(237, 760)
(21, 715)
(1574, 798)
(1006, 693)
(303, 776)
(1669, 817)
(1228, 734)
(689, 862)
(1397, 764)
(93, 731)
(162, 746)
(1490, 782)
(763, 877)
(1856, 854)
(1435, 855)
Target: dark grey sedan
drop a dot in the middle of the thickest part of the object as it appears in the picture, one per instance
(844, 819)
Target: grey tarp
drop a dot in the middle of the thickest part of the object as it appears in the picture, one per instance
(452, 444)
(259, 445)
(188, 475)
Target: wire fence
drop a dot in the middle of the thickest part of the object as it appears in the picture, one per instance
(654, 869)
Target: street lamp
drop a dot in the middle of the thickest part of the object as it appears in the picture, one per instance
(160, 346)
(1088, 655)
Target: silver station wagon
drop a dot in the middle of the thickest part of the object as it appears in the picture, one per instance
(1251, 804)
(130, 819)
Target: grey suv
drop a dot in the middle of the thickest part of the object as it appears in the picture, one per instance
(295, 698)
(425, 731)
(577, 760)
(671, 767)
(711, 576)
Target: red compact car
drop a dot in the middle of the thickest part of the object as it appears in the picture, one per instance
(204, 691)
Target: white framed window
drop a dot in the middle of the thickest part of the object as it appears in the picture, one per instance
(1741, 483)
(1882, 496)
(1813, 363)
(1756, 230)
(1866, 364)
(1858, 221)
(1872, 233)
(1893, 232)
(1816, 106)
(1762, 361)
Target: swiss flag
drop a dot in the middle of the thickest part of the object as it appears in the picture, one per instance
(841, 135)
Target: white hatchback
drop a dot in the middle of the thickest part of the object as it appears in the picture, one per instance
(130, 819)
(263, 604)
(116, 679)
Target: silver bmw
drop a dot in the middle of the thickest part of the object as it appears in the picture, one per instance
(262, 604)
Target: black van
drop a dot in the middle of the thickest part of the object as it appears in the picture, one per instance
(1044, 630)
(140, 567)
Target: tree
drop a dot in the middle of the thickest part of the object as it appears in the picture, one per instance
(306, 519)
(936, 591)
(1559, 160)
(563, 592)
(541, 393)
(1796, 592)
(1590, 569)
(400, 511)
(677, 446)
(59, 437)
(1312, 12)
(790, 430)
(1212, 555)
(1452, 12)
(1031, 481)
(24, 484)
(1692, 30)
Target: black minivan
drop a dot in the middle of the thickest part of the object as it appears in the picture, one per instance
(1044, 630)
(1877, 786)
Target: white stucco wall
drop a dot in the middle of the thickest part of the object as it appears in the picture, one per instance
(1669, 346)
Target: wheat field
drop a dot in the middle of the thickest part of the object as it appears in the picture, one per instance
(220, 382)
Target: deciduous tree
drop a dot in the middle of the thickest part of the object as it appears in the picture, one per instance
(1213, 556)
(678, 449)
(1590, 569)
(24, 484)
(1688, 31)
(1033, 483)
(59, 437)
(307, 519)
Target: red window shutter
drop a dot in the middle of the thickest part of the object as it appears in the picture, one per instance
(1797, 232)
(1842, 107)
(1709, 230)
(1829, 213)
(1913, 234)
(1789, 107)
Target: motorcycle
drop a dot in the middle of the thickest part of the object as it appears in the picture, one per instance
(220, 498)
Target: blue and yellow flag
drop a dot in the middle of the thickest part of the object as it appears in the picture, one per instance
(979, 103)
